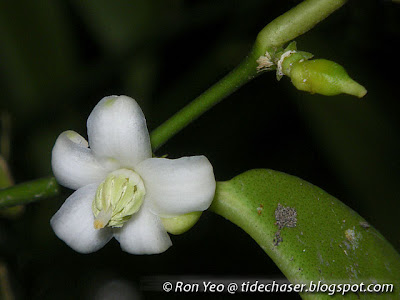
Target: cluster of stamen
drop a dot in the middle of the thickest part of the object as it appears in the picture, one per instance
(118, 197)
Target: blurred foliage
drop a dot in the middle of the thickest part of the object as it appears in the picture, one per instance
(59, 58)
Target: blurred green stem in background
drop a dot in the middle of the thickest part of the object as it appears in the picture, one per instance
(283, 29)
(5, 138)
(5, 176)
(6, 181)
(5, 287)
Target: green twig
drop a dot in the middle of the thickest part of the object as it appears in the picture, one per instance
(246, 71)
(27, 192)
(296, 22)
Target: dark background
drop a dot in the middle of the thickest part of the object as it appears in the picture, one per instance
(59, 58)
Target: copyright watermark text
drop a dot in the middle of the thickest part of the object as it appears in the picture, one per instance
(196, 285)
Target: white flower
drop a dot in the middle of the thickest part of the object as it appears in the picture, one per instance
(121, 189)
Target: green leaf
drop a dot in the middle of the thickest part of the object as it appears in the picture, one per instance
(310, 235)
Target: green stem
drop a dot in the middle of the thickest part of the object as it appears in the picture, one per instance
(296, 22)
(28, 192)
(243, 73)
(285, 28)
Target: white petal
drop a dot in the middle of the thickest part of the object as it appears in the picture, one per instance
(178, 186)
(73, 163)
(73, 222)
(117, 129)
(143, 234)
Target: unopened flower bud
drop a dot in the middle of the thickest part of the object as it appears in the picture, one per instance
(181, 224)
(324, 77)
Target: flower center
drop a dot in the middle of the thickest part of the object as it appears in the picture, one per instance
(118, 197)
